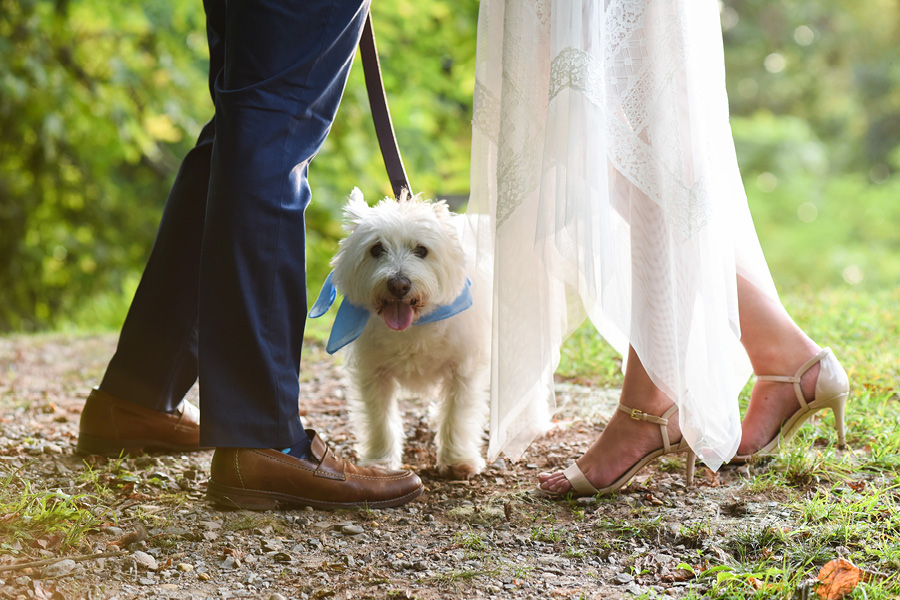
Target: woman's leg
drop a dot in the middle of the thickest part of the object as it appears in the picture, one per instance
(776, 346)
(624, 441)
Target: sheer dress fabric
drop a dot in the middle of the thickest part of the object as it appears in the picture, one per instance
(605, 185)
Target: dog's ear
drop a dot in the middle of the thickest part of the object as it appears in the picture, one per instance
(355, 211)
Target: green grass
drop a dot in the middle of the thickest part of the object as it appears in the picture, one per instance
(41, 518)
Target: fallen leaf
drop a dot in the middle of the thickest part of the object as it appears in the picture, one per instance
(678, 575)
(856, 486)
(838, 578)
(712, 478)
(139, 534)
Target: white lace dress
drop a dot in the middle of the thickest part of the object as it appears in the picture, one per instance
(605, 184)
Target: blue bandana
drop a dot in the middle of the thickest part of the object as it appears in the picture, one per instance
(351, 319)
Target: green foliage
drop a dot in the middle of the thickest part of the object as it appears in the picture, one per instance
(98, 102)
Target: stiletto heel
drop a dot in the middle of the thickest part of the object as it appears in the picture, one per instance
(689, 468)
(838, 409)
(832, 389)
(582, 487)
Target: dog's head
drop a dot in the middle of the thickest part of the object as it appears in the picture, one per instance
(400, 258)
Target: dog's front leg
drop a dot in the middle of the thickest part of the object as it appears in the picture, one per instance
(377, 419)
(461, 418)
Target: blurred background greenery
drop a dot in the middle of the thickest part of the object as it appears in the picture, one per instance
(99, 101)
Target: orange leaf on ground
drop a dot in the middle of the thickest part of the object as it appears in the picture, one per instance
(838, 578)
(856, 486)
(712, 478)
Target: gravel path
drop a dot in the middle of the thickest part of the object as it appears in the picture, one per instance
(490, 537)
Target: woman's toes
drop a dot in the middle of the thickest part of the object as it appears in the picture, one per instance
(553, 482)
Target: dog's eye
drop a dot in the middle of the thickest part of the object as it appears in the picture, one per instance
(421, 251)
(376, 250)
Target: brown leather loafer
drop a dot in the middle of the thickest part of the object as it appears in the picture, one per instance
(110, 427)
(263, 479)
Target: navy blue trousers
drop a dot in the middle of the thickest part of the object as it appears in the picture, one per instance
(223, 295)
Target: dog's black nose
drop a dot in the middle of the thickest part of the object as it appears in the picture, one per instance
(399, 286)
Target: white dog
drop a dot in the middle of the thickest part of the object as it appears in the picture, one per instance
(418, 317)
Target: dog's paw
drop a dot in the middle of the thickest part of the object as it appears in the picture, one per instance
(384, 463)
(461, 470)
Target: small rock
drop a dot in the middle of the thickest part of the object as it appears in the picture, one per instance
(352, 530)
(51, 448)
(276, 596)
(499, 465)
(624, 578)
(58, 569)
(184, 567)
(203, 576)
(531, 466)
(634, 589)
(145, 560)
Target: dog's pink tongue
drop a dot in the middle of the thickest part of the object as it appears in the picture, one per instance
(397, 315)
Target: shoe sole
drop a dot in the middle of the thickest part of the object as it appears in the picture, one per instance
(226, 496)
(90, 445)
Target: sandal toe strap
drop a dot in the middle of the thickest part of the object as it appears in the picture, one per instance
(579, 482)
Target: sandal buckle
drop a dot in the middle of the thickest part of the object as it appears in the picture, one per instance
(637, 415)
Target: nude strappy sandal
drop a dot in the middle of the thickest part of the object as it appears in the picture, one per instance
(832, 389)
(582, 487)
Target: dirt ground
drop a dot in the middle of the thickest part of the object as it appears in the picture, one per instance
(490, 537)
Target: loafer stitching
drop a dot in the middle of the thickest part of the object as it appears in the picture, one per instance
(406, 475)
(290, 463)
(237, 469)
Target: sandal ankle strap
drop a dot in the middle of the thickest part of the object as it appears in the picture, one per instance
(795, 379)
(663, 421)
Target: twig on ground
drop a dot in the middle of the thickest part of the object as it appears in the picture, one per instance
(50, 561)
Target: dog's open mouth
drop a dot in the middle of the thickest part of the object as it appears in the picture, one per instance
(398, 314)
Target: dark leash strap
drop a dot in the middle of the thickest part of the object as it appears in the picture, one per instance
(381, 115)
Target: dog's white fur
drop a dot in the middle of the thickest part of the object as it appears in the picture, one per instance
(450, 357)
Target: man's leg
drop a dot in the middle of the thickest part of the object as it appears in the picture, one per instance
(285, 70)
